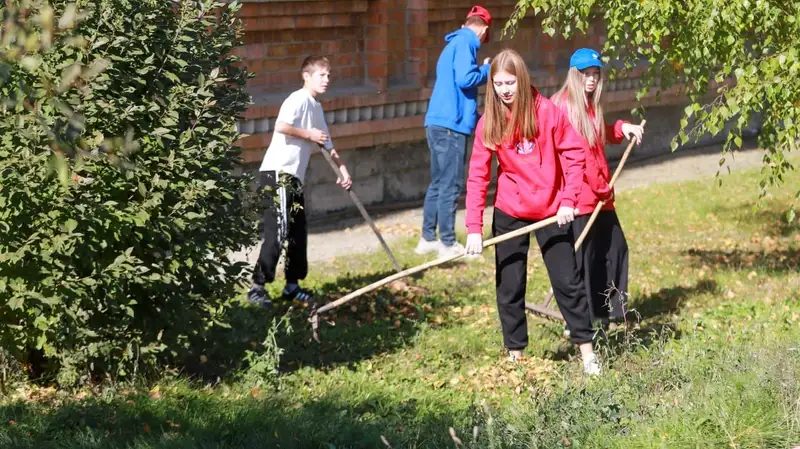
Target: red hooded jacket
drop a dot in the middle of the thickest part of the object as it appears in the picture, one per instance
(597, 176)
(534, 178)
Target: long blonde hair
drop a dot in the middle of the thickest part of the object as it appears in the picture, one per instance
(573, 94)
(496, 128)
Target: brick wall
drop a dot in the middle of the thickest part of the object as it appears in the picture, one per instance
(383, 55)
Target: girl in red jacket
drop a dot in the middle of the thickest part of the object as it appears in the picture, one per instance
(603, 257)
(540, 171)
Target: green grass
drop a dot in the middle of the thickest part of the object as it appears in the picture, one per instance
(714, 361)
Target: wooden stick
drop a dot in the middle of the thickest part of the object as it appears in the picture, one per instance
(596, 210)
(361, 209)
(442, 260)
(542, 310)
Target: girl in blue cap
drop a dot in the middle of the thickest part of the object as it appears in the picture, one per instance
(603, 257)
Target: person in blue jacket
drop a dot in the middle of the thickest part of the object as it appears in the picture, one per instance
(451, 117)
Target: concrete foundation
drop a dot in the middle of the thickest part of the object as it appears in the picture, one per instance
(398, 174)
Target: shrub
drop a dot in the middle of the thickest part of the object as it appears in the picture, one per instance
(119, 199)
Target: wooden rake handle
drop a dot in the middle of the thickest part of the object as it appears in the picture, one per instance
(361, 209)
(442, 260)
(600, 205)
(314, 318)
(595, 213)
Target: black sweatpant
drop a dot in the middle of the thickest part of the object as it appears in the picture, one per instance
(511, 259)
(284, 222)
(603, 262)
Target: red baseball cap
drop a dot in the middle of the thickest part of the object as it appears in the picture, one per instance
(483, 13)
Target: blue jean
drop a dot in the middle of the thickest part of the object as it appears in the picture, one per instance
(448, 150)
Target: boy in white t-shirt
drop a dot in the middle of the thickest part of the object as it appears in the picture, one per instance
(299, 130)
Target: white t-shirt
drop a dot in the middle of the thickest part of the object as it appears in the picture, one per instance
(289, 154)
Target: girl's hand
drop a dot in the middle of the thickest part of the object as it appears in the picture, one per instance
(566, 215)
(632, 131)
(474, 244)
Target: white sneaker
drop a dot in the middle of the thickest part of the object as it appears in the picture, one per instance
(425, 247)
(453, 250)
(591, 366)
(514, 356)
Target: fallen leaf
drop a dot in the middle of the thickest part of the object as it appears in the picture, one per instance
(254, 392)
(155, 392)
(146, 428)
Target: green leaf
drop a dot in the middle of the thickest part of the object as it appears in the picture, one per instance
(70, 225)
(15, 303)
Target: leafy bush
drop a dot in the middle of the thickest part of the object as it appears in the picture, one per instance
(119, 202)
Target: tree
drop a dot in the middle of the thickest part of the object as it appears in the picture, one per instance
(119, 199)
(746, 51)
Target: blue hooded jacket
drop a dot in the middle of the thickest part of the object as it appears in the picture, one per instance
(454, 101)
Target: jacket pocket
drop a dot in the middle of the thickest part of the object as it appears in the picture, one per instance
(508, 193)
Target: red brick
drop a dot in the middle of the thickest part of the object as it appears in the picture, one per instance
(377, 71)
(418, 29)
(345, 59)
(418, 42)
(312, 21)
(373, 59)
(375, 45)
(418, 17)
(277, 51)
(344, 20)
(332, 47)
(396, 45)
(378, 18)
(268, 23)
(397, 16)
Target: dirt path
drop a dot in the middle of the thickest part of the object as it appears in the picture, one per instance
(354, 236)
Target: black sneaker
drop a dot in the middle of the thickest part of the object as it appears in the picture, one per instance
(298, 294)
(258, 296)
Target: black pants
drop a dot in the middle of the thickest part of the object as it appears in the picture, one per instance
(284, 222)
(603, 261)
(511, 259)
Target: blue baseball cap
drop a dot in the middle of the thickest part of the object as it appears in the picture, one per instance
(584, 58)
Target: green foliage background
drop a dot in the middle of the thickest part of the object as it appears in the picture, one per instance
(745, 53)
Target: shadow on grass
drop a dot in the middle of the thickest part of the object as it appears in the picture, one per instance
(776, 261)
(378, 322)
(770, 217)
(653, 309)
(649, 320)
(670, 299)
(194, 420)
